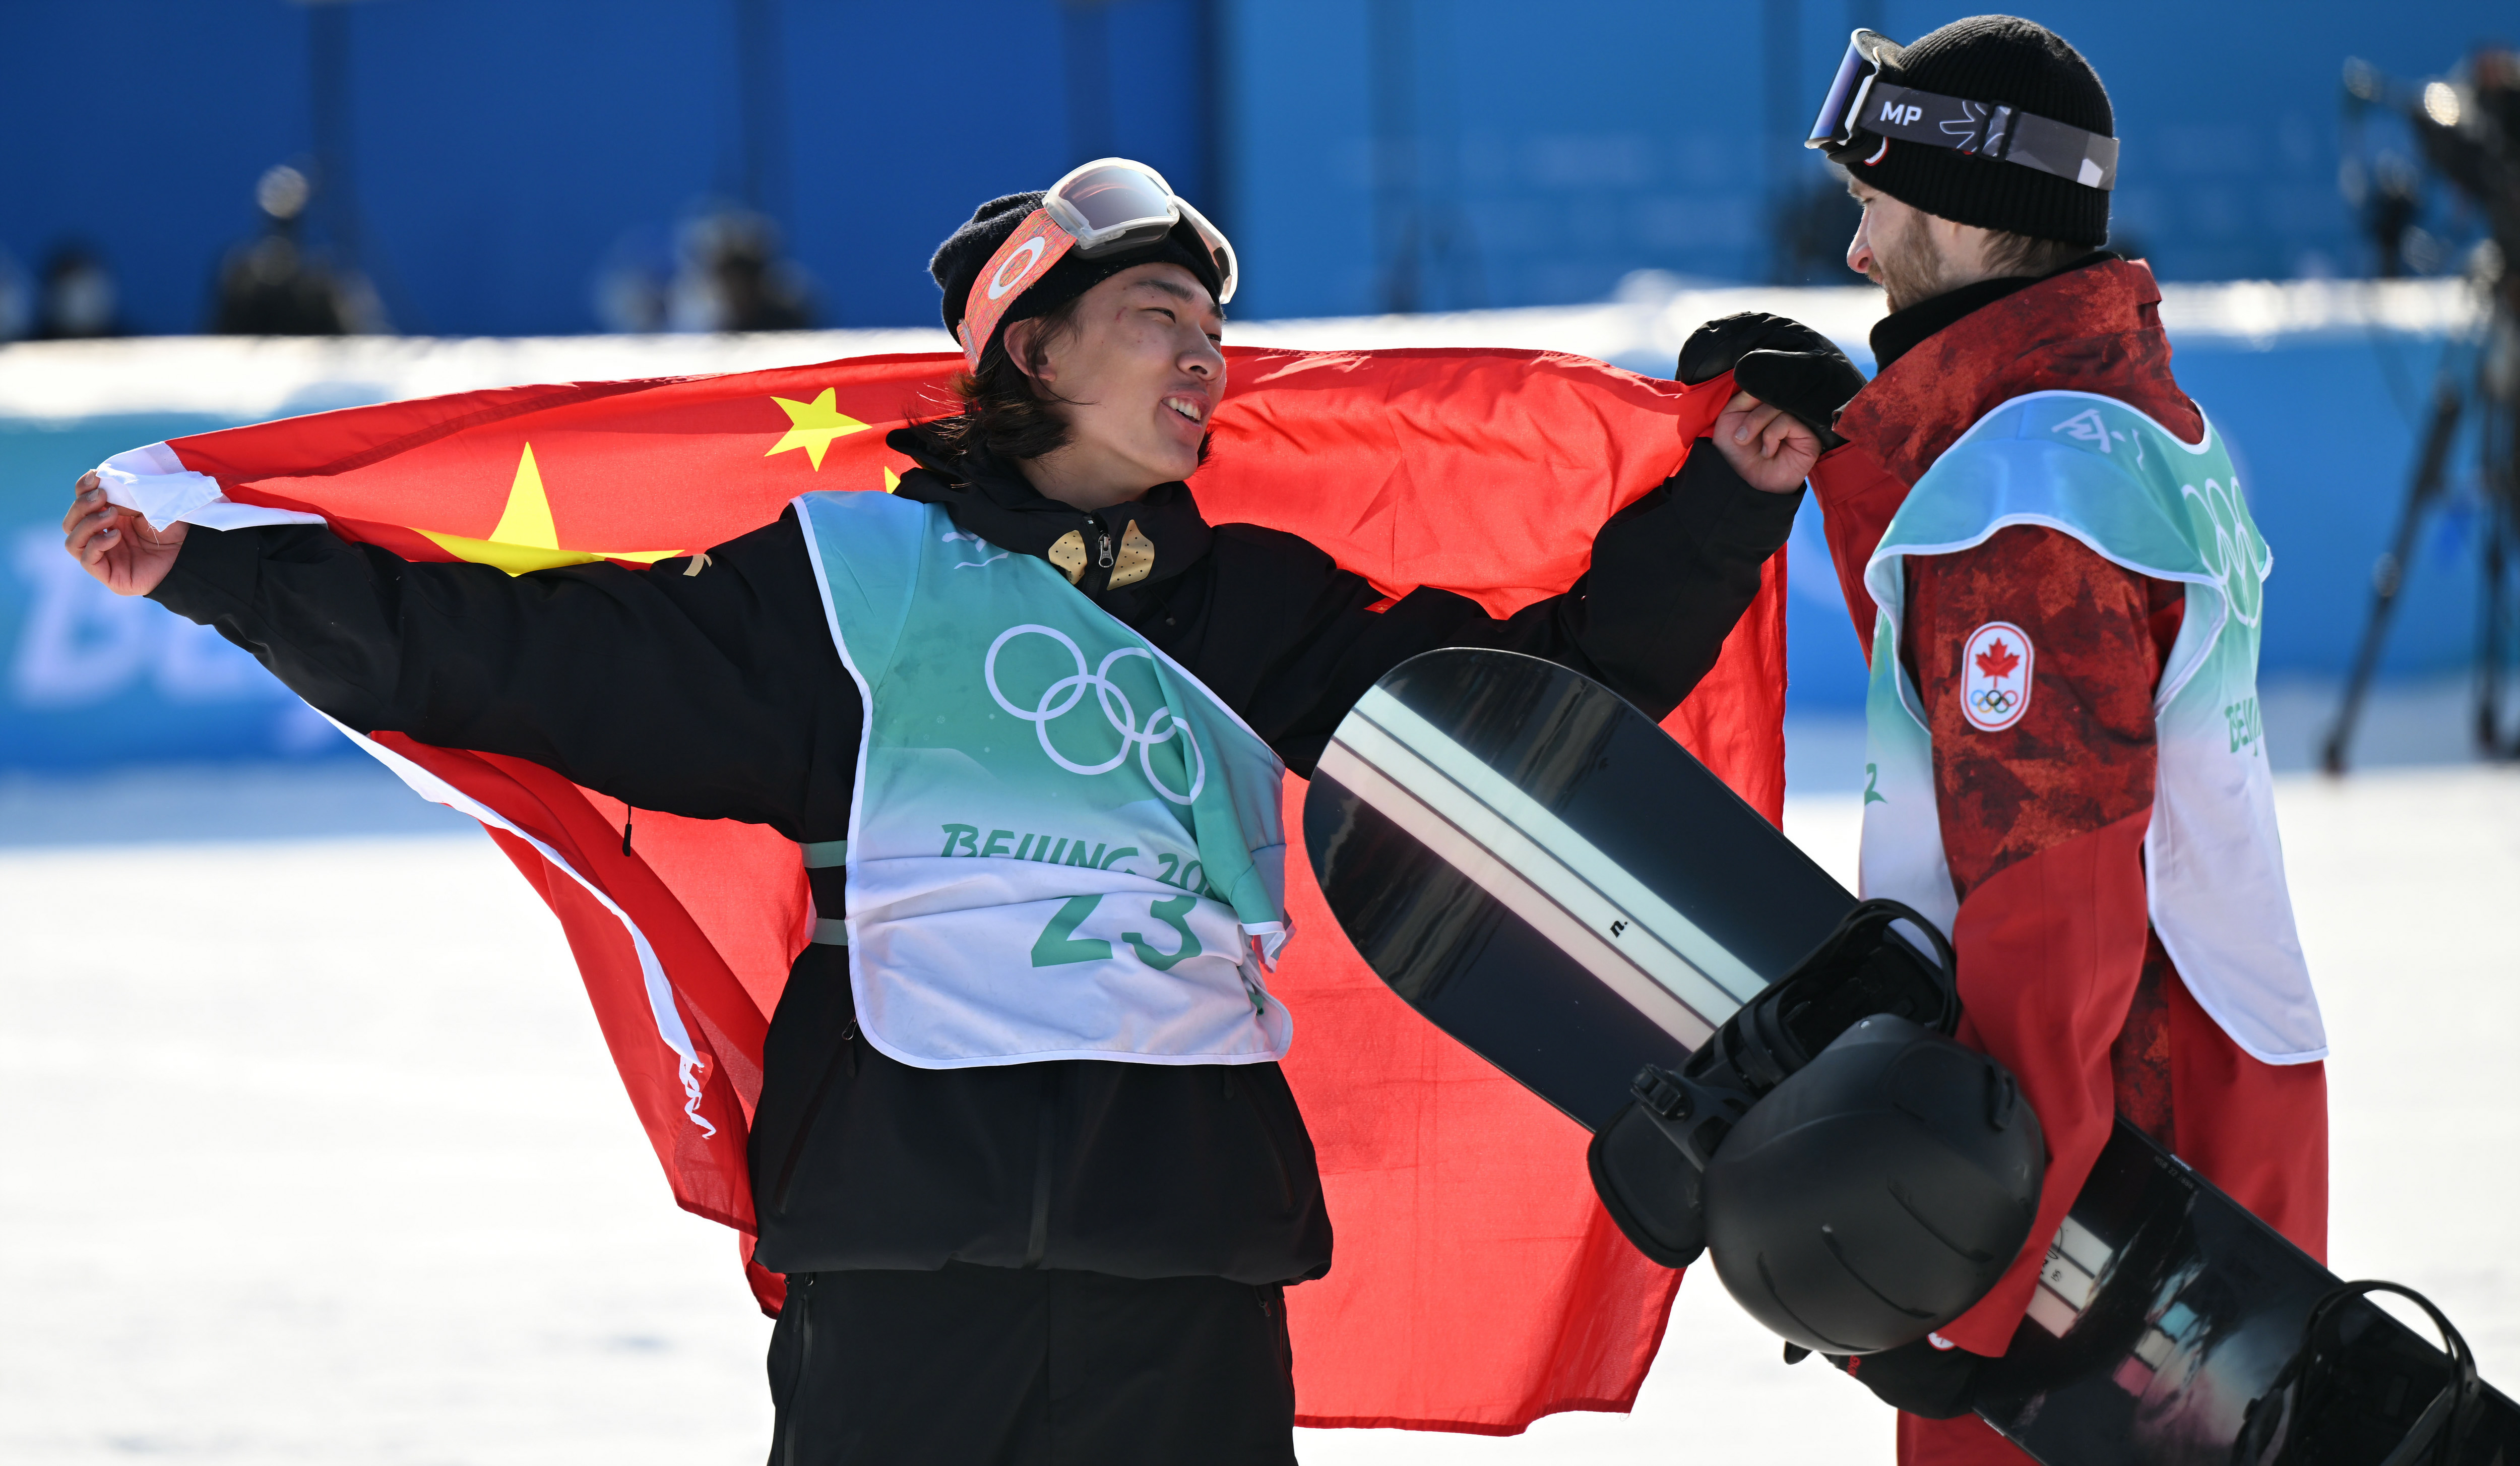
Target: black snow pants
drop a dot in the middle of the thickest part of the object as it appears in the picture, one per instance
(999, 1366)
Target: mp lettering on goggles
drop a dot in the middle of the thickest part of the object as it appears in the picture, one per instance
(1895, 111)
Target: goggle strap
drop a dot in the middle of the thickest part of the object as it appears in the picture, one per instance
(1042, 240)
(1987, 130)
(1037, 244)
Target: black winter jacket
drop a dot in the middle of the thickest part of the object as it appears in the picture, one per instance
(720, 696)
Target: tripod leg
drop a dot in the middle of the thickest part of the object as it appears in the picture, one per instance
(2500, 437)
(2488, 644)
(2389, 576)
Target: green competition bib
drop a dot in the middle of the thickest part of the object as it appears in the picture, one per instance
(2099, 470)
(1063, 845)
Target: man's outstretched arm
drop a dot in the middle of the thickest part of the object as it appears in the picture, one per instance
(715, 694)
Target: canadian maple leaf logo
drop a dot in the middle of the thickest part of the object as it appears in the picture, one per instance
(1997, 661)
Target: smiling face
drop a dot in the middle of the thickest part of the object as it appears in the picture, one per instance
(1135, 376)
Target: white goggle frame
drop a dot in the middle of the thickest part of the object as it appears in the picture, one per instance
(1082, 204)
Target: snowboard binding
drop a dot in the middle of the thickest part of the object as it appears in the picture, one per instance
(2344, 1398)
(1861, 1177)
(1854, 1172)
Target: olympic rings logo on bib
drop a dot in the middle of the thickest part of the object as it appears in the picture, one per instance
(2240, 557)
(1063, 695)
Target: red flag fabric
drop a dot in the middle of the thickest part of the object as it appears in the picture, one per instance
(1478, 1284)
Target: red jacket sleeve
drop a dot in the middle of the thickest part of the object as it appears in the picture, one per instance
(2043, 823)
(1857, 498)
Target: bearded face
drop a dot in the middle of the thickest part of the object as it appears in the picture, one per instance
(1895, 250)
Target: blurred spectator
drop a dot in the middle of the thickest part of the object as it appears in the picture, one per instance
(736, 280)
(75, 298)
(2470, 132)
(276, 286)
(724, 273)
(630, 281)
(1813, 228)
(2396, 201)
(17, 301)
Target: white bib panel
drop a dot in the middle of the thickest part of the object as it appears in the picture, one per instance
(2099, 470)
(1063, 845)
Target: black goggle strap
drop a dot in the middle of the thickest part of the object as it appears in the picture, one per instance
(1987, 131)
(1859, 99)
(2005, 133)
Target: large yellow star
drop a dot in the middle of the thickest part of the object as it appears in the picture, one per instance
(811, 426)
(524, 538)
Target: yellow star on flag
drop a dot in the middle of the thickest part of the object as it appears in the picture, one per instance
(524, 538)
(811, 426)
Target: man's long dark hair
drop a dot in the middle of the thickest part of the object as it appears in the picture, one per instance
(1006, 410)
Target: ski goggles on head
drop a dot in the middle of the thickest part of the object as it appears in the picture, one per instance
(1100, 208)
(1861, 101)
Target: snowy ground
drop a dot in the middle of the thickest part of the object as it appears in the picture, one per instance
(317, 1156)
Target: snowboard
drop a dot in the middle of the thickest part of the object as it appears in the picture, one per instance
(1540, 871)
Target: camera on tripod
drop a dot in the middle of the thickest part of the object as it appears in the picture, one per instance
(2467, 129)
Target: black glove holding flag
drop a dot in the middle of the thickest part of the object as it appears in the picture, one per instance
(1778, 360)
(1935, 1381)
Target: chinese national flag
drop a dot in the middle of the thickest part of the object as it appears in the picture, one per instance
(1477, 1283)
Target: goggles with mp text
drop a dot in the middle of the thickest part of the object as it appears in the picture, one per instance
(1100, 208)
(1861, 101)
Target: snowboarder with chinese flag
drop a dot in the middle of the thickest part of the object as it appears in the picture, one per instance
(925, 851)
(2054, 569)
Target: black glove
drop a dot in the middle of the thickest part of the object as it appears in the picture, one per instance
(1779, 361)
(1937, 1384)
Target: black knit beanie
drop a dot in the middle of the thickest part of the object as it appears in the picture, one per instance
(2008, 61)
(965, 252)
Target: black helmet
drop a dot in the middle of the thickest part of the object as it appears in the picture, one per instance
(1647, 1163)
(1876, 1192)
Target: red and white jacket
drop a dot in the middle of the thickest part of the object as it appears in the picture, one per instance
(2061, 974)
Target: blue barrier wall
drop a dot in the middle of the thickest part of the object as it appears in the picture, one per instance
(501, 149)
(1495, 152)
(89, 679)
